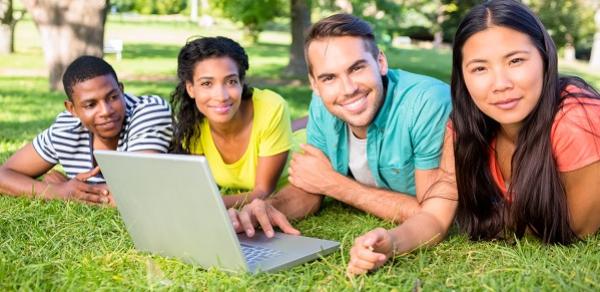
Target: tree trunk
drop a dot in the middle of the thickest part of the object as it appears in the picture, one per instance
(7, 35)
(300, 21)
(69, 29)
(595, 57)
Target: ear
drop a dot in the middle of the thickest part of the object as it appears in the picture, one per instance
(70, 107)
(382, 62)
(189, 87)
(313, 84)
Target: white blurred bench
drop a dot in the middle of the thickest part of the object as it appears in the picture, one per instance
(114, 46)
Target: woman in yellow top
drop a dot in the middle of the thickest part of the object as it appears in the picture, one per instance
(244, 132)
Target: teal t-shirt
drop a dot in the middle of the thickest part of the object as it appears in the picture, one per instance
(406, 134)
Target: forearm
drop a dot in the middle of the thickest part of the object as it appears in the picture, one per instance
(385, 204)
(295, 203)
(421, 230)
(16, 184)
(240, 200)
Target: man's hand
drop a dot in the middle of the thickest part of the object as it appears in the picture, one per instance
(309, 170)
(264, 214)
(370, 251)
(78, 189)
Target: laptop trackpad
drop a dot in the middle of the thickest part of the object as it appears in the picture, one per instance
(282, 249)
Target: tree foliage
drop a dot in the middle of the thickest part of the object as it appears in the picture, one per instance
(567, 21)
(150, 6)
(253, 14)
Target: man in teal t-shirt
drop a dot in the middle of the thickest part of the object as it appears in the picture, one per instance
(375, 138)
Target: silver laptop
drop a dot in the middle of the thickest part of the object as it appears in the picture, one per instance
(172, 206)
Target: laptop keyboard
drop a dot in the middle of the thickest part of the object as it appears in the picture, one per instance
(256, 254)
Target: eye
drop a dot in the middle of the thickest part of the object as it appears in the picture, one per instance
(114, 97)
(327, 78)
(206, 84)
(516, 61)
(357, 68)
(233, 82)
(478, 69)
(88, 105)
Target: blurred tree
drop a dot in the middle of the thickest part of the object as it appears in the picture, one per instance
(595, 58)
(69, 29)
(300, 22)
(150, 6)
(567, 21)
(8, 20)
(253, 14)
(454, 15)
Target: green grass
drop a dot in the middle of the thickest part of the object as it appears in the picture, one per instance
(55, 245)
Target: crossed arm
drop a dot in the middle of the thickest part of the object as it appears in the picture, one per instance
(18, 173)
(18, 178)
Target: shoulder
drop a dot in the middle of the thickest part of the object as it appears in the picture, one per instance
(146, 103)
(418, 89)
(65, 122)
(577, 106)
(267, 98)
(575, 132)
(268, 103)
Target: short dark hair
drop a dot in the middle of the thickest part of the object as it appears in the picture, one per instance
(85, 68)
(339, 25)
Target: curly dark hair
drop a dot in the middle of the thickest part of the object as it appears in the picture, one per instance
(187, 116)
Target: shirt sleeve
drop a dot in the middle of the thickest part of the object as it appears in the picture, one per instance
(314, 133)
(576, 136)
(151, 126)
(277, 137)
(431, 116)
(42, 144)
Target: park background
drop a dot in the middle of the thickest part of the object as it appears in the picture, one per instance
(55, 245)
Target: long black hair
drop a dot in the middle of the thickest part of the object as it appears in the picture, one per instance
(187, 115)
(538, 195)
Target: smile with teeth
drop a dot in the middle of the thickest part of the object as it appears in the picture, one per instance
(356, 105)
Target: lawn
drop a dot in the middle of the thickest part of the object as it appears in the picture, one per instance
(54, 245)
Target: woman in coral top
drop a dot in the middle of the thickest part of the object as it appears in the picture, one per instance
(526, 140)
(243, 132)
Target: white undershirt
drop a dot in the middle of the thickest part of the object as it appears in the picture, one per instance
(358, 162)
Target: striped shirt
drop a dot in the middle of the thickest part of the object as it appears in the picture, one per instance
(147, 126)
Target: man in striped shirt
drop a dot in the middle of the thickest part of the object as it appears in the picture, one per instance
(99, 115)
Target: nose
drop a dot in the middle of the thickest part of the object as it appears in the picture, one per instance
(502, 80)
(349, 87)
(221, 93)
(106, 108)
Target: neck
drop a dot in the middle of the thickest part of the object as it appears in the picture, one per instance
(359, 132)
(510, 132)
(101, 143)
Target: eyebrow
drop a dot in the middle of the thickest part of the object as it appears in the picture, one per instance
(212, 78)
(84, 100)
(358, 62)
(505, 56)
